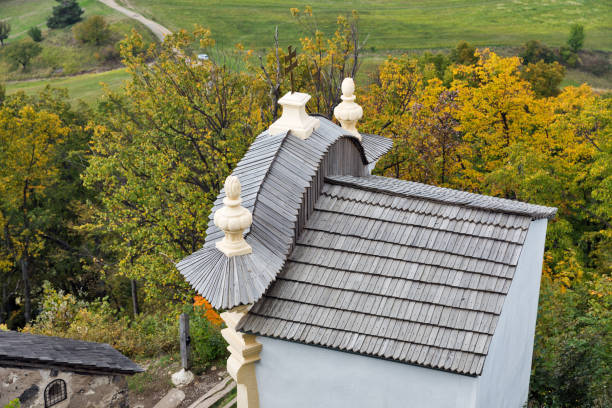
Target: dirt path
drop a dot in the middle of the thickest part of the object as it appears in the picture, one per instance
(159, 30)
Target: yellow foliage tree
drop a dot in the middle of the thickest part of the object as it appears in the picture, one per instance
(28, 140)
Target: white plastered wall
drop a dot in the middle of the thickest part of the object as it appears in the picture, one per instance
(301, 376)
(504, 382)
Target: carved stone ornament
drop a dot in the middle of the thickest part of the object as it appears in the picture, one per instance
(348, 112)
(294, 117)
(233, 219)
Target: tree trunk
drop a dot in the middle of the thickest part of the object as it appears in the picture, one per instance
(25, 276)
(3, 316)
(135, 298)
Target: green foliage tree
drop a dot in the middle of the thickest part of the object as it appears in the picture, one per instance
(544, 78)
(464, 54)
(572, 359)
(5, 29)
(534, 51)
(66, 13)
(35, 34)
(161, 153)
(576, 38)
(94, 30)
(22, 53)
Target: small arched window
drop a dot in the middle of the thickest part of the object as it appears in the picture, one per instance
(55, 393)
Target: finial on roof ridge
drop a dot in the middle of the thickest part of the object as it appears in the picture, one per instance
(348, 112)
(294, 117)
(233, 219)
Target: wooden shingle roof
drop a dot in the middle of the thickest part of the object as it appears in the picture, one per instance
(29, 350)
(364, 264)
(276, 173)
(398, 270)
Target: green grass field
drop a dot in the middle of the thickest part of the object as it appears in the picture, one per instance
(85, 87)
(394, 24)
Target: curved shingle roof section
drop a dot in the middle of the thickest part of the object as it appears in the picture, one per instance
(73, 355)
(276, 173)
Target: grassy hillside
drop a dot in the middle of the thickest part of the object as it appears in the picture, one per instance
(61, 54)
(23, 14)
(85, 87)
(395, 24)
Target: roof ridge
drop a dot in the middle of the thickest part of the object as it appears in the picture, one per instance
(409, 189)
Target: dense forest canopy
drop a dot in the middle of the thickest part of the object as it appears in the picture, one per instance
(103, 202)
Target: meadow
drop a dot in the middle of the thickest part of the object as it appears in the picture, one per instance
(86, 87)
(393, 24)
(389, 27)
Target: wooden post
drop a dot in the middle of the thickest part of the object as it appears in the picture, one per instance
(185, 340)
(135, 298)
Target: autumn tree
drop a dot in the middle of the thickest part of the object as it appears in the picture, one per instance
(94, 30)
(324, 61)
(42, 142)
(388, 111)
(28, 142)
(161, 152)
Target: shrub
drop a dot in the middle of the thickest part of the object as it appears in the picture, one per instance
(576, 38)
(94, 30)
(66, 13)
(544, 78)
(5, 29)
(147, 335)
(207, 344)
(13, 404)
(595, 63)
(534, 51)
(22, 53)
(35, 34)
(464, 54)
(569, 57)
(108, 53)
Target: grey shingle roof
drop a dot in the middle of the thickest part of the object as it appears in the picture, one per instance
(23, 348)
(399, 271)
(364, 264)
(276, 174)
(445, 195)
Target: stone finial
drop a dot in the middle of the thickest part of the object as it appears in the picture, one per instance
(294, 117)
(348, 112)
(233, 219)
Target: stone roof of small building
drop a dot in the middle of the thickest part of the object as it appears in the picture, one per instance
(24, 349)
